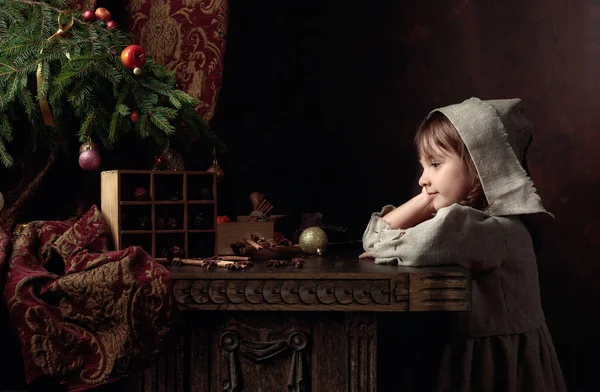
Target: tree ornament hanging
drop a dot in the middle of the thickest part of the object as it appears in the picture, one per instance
(215, 168)
(133, 56)
(171, 158)
(89, 158)
(134, 117)
(313, 240)
(89, 15)
(102, 13)
(111, 24)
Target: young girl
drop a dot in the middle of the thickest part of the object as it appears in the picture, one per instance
(475, 193)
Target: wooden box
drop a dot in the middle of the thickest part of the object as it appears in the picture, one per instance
(272, 218)
(232, 232)
(158, 209)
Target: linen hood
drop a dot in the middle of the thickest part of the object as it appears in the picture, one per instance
(497, 135)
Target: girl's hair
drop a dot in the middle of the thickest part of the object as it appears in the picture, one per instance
(437, 133)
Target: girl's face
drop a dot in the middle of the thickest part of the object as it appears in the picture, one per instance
(445, 177)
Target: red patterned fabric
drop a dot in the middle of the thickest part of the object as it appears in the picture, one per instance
(84, 315)
(5, 239)
(188, 37)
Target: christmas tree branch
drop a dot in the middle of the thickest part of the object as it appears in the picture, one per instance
(81, 82)
(42, 5)
(10, 215)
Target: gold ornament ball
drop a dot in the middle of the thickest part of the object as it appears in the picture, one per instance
(137, 71)
(218, 170)
(313, 240)
(88, 146)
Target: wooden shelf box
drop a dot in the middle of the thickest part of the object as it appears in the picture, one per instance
(178, 208)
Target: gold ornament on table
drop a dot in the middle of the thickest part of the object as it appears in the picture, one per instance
(313, 240)
(215, 168)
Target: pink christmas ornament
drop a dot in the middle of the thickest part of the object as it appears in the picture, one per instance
(89, 159)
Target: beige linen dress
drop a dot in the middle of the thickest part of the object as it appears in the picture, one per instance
(503, 343)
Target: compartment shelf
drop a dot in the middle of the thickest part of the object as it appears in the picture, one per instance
(159, 209)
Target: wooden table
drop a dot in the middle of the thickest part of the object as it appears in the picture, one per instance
(280, 328)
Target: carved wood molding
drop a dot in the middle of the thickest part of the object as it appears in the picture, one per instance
(293, 294)
(361, 335)
(431, 292)
(234, 346)
(249, 350)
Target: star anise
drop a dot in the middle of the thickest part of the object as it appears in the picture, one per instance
(298, 262)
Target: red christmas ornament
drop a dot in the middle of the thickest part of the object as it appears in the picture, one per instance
(159, 161)
(134, 117)
(111, 24)
(89, 159)
(133, 57)
(102, 14)
(141, 194)
(89, 15)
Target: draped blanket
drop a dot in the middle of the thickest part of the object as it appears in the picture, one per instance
(85, 315)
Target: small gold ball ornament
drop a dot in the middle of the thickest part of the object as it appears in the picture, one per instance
(313, 240)
(137, 71)
(215, 168)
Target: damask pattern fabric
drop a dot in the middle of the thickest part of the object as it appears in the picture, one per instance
(84, 315)
(187, 37)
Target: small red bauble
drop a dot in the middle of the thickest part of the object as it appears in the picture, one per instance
(102, 14)
(111, 24)
(141, 194)
(134, 117)
(133, 56)
(159, 161)
(89, 15)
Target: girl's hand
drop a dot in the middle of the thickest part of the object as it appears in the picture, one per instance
(367, 255)
(416, 210)
(426, 201)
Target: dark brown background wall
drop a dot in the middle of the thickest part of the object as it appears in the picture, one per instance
(320, 102)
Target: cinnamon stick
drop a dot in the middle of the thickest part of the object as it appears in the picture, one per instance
(204, 263)
(234, 258)
(263, 204)
(252, 244)
(200, 263)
